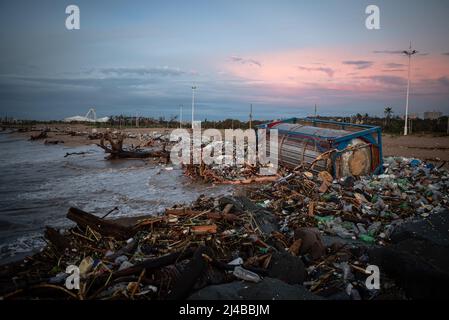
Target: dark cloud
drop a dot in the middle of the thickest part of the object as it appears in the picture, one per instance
(389, 51)
(444, 81)
(399, 52)
(393, 65)
(359, 64)
(95, 83)
(389, 80)
(393, 70)
(329, 71)
(156, 71)
(245, 61)
(445, 53)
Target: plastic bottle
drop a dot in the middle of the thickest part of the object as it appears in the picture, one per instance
(246, 275)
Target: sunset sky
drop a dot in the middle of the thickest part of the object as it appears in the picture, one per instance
(142, 57)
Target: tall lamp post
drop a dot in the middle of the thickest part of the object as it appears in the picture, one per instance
(409, 53)
(180, 116)
(193, 103)
(251, 116)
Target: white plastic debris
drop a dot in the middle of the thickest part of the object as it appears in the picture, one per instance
(86, 265)
(246, 275)
(126, 264)
(236, 262)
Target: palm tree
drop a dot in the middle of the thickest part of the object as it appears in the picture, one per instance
(388, 112)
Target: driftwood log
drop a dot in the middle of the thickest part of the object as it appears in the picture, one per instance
(53, 141)
(194, 269)
(104, 227)
(98, 283)
(116, 151)
(59, 242)
(41, 135)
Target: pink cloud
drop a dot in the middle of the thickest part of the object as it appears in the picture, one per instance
(338, 70)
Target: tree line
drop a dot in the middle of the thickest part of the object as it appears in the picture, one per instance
(390, 123)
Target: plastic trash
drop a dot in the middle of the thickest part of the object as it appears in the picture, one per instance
(246, 275)
(263, 250)
(415, 162)
(108, 253)
(236, 262)
(264, 204)
(374, 228)
(347, 207)
(367, 238)
(342, 232)
(361, 228)
(125, 264)
(324, 219)
(120, 259)
(146, 290)
(59, 278)
(86, 265)
(430, 166)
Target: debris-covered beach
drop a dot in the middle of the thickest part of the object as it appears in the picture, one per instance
(230, 234)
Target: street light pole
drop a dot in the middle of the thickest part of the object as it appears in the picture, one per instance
(409, 53)
(251, 116)
(193, 103)
(180, 116)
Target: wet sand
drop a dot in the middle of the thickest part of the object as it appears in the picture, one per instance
(61, 132)
(425, 147)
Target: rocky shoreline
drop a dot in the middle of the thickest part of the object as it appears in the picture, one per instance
(288, 239)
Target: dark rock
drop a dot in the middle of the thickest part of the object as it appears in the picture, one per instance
(211, 276)
(267, 289)
(340, 296)
(286, 267)
(420, 267)
(334, 242)
(238, 207)
(192, 271)
(434, 229)
(348, 182)
(419, 258)
(265, 219)
(312, 242)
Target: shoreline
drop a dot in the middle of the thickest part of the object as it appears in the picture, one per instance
(420, 146)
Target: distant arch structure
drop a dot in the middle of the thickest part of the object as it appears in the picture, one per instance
(91, 116)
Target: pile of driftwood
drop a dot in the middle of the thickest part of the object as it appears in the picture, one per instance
(277, 232)
(39, 136)
(188, 250)
(245, 174)
(153, 257)
(53, 141)
(116, 150)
